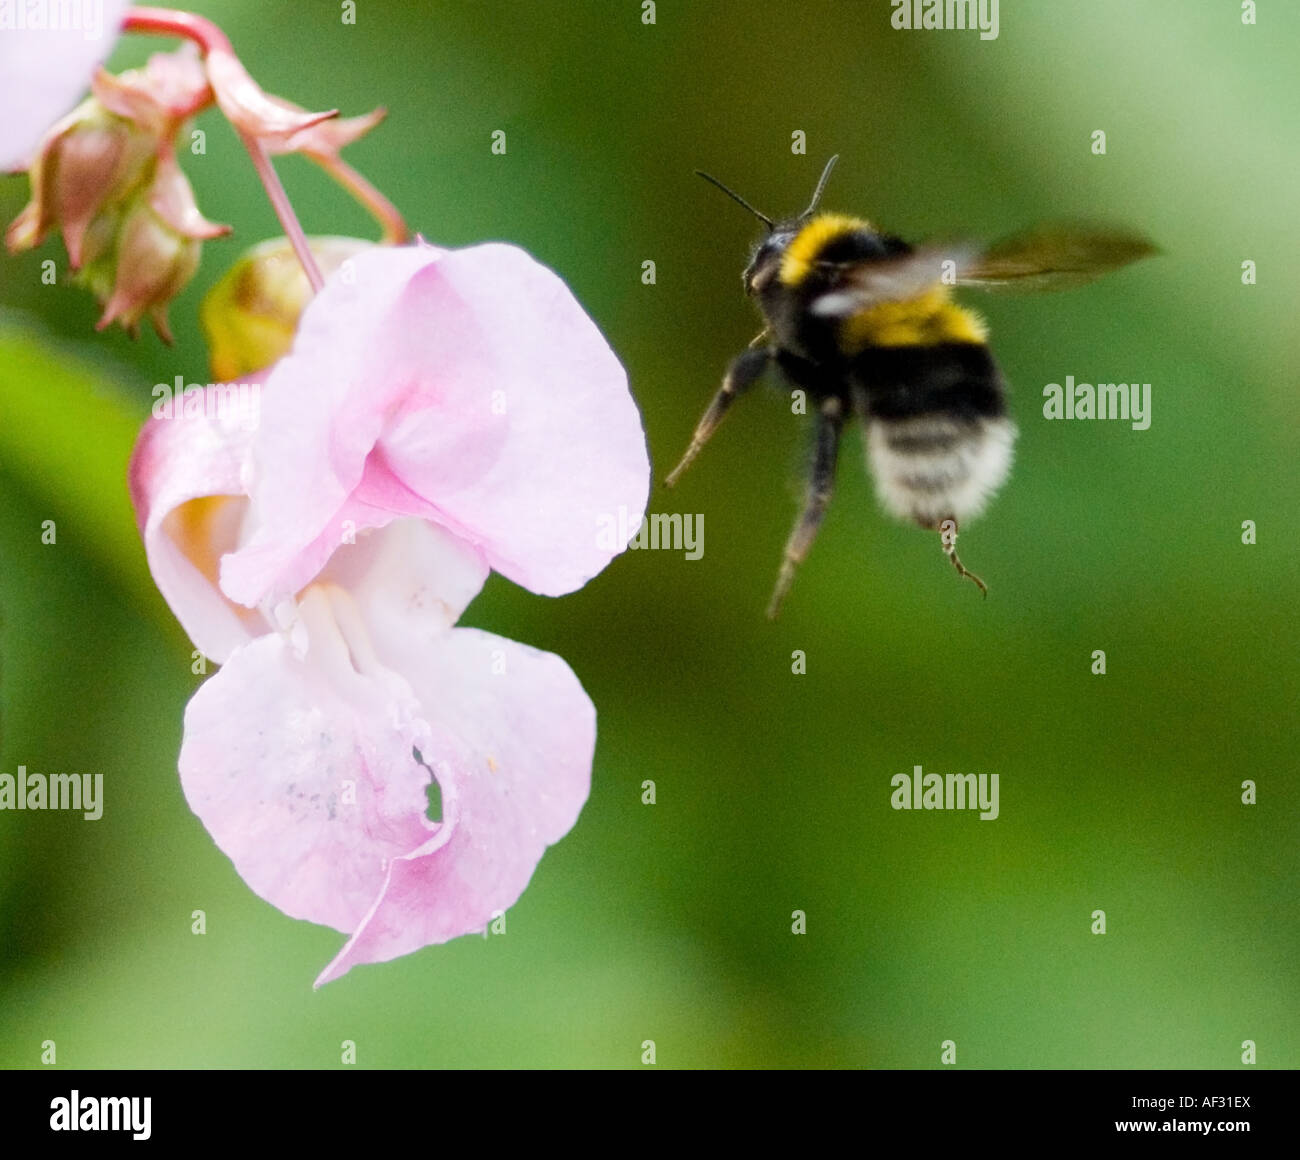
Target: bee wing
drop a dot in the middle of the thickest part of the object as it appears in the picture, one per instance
(863, 284)
(1055, 256)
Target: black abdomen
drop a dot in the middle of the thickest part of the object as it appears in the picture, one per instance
(958, 379)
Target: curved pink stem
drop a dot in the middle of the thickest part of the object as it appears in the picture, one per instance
(283, 210)
(169, 22)
(389, 217)
(210, 38)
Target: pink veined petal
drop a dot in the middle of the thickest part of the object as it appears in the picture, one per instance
(187, 481)
(264, 567)
(43, 71)
(323, 412)
(527, 731)
(465, 386)
(303, 771)
(521, 431)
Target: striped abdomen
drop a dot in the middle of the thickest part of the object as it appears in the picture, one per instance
(939, 440)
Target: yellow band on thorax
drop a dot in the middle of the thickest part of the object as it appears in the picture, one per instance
(926, 320)
(804, 251)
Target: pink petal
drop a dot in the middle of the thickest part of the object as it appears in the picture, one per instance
(86, 159)
(171, 87)
(182, 459)
(318, 428)
(410, 580)
(520, 776)
(530, 486)
(465, 386)
(178, 80)
(303, 771)
(328, 138)
(172, 199)
(375, 500)
(44, 71)
(249, 108)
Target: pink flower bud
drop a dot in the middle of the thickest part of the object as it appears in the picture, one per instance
(170, 89)
(153, 264)
(106, 177)
(148, 250)
(87, 161)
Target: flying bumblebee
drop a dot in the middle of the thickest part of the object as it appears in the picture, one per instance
(865, 324)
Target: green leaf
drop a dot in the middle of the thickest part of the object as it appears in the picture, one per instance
(67, 440)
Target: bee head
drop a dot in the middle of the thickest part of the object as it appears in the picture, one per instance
(765, 265)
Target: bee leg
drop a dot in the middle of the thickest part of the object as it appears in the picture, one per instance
(741, 375)
(830, 422)
(948, 536)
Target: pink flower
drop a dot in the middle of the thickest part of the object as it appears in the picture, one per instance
(450, 411)
(44, 70)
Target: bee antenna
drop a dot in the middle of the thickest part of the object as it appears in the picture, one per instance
(821, 187)
(731, 193)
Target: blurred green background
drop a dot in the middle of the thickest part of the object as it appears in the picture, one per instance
(672, 922)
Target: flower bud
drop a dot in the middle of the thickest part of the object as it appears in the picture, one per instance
(106, 177)
(170, 89)
(86, 162)
(154, 263)
(147, 250)
(251, 315)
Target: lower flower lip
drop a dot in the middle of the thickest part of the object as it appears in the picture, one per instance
(362, 701)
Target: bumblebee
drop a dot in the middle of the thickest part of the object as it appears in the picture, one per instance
(865, 324)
